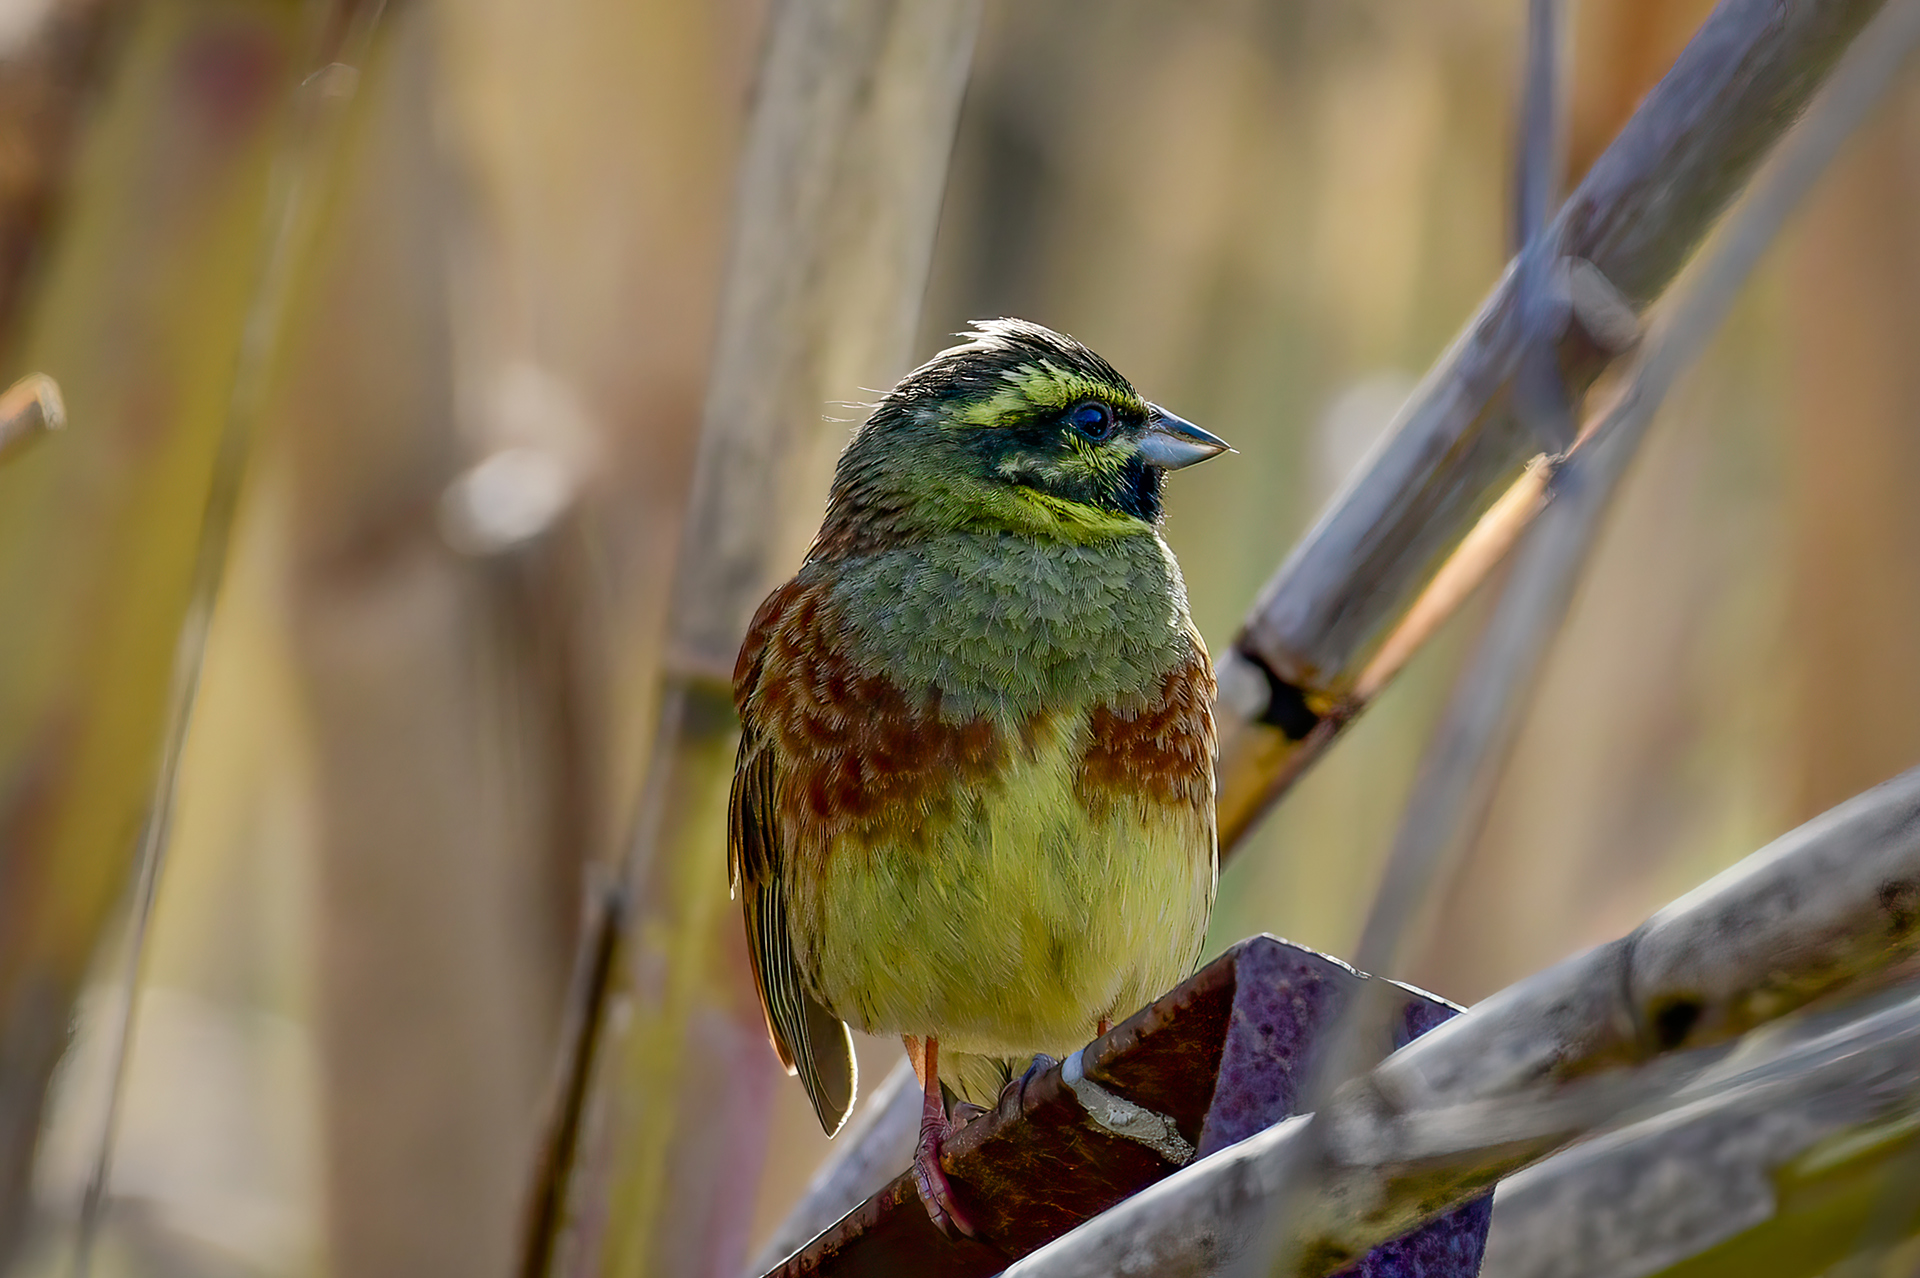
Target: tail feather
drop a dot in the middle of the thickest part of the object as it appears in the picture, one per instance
(827, 1066)
(811, 1041)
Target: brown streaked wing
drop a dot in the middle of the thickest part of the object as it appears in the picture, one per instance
(809, 1039)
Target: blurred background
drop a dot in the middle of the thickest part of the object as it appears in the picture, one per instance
(424, 712)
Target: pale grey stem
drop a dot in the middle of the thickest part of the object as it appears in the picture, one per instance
(1463, 760)
(1468, 752)
(300, 176)
(1543, 115)
(1637, 216)
(1303, 662)
(1541, 396)
(1652, 1194)
(1532, 1068)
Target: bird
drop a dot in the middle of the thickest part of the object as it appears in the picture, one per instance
(973, 800)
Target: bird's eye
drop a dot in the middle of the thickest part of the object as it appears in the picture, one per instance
(1092, 419)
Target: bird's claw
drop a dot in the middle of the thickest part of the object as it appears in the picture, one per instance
(936, 1192)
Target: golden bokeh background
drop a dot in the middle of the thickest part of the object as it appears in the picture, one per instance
(412, 747)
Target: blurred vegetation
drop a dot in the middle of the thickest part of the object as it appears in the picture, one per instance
(418, 737)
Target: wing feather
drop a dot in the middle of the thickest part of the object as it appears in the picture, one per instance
(809, 1039)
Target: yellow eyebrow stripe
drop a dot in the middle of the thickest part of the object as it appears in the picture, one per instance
(1041, 385)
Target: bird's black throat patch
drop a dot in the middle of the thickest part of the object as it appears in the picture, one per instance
(1139, 491)
(1134, 489)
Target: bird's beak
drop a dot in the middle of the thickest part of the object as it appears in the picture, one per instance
(1171, 442)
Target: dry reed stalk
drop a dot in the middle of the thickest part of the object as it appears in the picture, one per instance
(1296, 673)
(1542, 1063)
(101, 563)
(661, 1126)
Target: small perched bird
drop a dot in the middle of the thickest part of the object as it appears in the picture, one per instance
(973, 804)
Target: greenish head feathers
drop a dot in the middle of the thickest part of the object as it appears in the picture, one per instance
(1017, 429)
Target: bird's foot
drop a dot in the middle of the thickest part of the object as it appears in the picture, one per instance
(1009, 1099)
(935, 1190)
(1041, 1064)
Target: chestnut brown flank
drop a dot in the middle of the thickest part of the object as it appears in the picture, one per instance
(861, 758)
(858, 757)
(1160, 747)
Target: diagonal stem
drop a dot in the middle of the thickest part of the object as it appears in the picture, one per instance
(1468, 752)
(304, 166)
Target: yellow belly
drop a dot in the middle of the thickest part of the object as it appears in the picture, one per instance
(1020, 923)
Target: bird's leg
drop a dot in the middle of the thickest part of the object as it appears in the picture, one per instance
(1041, 1064)
(935, 1192)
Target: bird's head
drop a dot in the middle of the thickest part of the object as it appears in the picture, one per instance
(1016, 429)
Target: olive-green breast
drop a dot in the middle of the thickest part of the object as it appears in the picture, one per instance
(1005, 626)
(995, 783)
